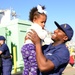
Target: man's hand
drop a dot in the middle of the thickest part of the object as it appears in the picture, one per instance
(0, 52)
(34, 37)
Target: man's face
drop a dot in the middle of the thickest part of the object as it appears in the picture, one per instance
(59, 35)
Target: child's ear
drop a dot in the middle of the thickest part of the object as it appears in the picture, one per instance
(35, 17)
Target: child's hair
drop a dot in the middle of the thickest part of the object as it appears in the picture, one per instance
(35, 13)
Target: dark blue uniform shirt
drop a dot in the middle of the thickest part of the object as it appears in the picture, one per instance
(5, 51)
(59, 55)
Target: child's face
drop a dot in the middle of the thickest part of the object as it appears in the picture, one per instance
(41, 20)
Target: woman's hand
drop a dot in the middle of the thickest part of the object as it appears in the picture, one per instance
(32, 35)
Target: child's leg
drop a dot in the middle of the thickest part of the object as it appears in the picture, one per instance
(33, 69)
(33, 63)
(26, 67)
(25, 51)
(25, 54)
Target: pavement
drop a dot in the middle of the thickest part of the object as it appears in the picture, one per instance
(19, 73)
(69, 70)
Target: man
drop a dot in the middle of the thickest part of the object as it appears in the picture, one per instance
(6, 58)
(53, 59)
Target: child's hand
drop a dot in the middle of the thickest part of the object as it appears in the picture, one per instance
(26, 37)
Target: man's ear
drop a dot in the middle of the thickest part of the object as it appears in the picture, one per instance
(65, 38)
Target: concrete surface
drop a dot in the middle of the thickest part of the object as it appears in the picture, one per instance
(17, 73)
(68, 71)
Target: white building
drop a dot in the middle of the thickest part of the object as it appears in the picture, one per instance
(6, 16)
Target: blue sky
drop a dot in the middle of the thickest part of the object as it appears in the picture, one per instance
(62, 11)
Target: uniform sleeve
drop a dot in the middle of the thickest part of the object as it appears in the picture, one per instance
(59, 58)
(3, 47)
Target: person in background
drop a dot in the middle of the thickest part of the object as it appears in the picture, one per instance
(53, 59)
(6, 57)
(0, 65)
(38, 18)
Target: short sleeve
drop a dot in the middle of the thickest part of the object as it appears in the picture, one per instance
(59, 58)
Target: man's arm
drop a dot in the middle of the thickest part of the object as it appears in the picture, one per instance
(5, 57)
(43, 63)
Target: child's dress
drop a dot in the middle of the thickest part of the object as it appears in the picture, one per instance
(29, 53)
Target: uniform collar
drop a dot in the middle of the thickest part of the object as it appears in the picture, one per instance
(58, 46)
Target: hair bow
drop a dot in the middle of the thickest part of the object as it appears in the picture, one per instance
(40, 10)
